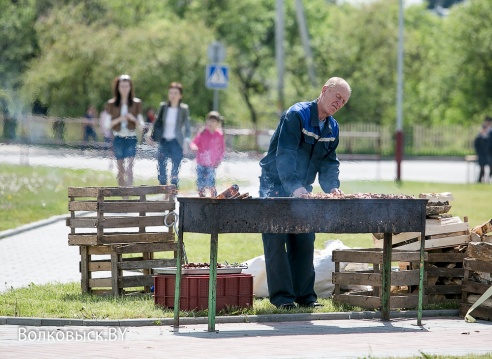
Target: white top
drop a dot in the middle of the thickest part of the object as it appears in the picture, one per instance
(171, 118)
(124, 131)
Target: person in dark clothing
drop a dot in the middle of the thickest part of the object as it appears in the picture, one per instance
(89, 123)
(302, 147)
(482, 147)
(172, 131)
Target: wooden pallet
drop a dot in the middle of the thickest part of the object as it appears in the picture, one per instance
(372, 299)
(124, 266)
(118, 229)
(115, 220)
(439, 233)
(473, 288)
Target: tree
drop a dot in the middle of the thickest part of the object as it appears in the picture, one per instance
(18, 44)
(78, 60)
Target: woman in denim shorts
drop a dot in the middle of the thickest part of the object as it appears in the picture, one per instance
(124, 117)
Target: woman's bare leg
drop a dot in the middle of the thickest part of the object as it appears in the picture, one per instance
(121, 172)
(129, 172)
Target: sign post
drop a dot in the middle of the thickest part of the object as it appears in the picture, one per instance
(216, 74)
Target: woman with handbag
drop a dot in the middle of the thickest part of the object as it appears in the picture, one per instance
(172, 132)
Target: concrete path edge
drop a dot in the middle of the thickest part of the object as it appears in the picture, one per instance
(33, 225)
(60, 322)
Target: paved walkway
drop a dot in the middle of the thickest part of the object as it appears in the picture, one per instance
(301, 339)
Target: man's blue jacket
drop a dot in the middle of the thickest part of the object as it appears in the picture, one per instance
(299, 151)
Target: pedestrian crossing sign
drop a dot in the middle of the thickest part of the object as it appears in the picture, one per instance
(217, 76)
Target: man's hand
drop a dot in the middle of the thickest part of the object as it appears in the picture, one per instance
(299, 192)
(336, 191)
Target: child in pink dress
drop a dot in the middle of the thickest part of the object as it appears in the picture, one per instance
(210, 146)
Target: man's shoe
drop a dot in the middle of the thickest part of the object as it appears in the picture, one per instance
(312, 305)
(287, 306)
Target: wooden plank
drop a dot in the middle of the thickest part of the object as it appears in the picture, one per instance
(477, 265)
(137, 191)
(448, 235)
(136, 281)
(145, 247)
(115, 273)
(81, 222)
(403, 278)
(122, 206)
(90, 206)
(84, 269)
(119, 237)
(354, 278)
(82, 239)
(358, 256)
(363, 301)
(140, 221)
(83, 191)
(149, 237)
(474, 287)
(409, 277)
(100, 265)
(372, 255)
(135, 207)
(400, 255)
(438, 243)
(444, 272)
(99, 250)
(100, 282)
(431, 230)
(443, 289)
(147, 264)
(410, 301)
(445, 257)
(120, 191)
(116, 222)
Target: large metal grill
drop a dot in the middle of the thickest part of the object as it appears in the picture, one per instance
(296, 215)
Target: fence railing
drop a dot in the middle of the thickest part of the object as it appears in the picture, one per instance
(355, 138)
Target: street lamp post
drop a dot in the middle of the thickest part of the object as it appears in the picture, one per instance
(399, 97)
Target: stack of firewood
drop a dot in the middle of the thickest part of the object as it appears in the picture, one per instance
(482, 233)
(232, 193)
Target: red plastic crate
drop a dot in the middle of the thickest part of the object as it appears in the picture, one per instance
(232, 290)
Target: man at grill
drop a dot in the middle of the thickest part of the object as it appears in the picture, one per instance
(302, 147)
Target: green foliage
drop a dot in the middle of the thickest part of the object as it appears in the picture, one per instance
(77, 48)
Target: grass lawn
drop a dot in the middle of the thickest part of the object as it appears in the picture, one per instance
(28, 194)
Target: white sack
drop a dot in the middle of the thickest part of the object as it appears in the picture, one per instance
(323, 266)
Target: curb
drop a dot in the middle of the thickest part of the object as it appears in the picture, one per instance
(302, 317)
(30, 226)
(35, 225)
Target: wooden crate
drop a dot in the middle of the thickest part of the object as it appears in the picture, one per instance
(114, 239)
(444, 276)
(372, 299)
(439, 233)
(475, 283)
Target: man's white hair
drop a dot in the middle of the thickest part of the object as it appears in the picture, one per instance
(337, 81)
